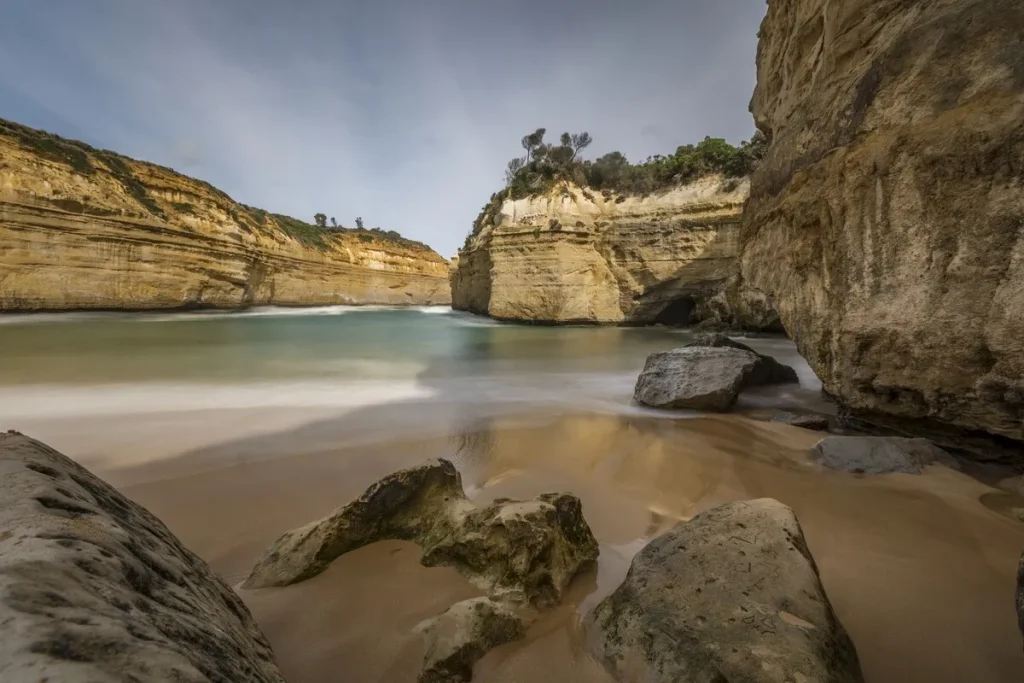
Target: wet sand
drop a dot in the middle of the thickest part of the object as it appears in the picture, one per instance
(919, 571)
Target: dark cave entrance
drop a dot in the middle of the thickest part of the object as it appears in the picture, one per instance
(677, 313)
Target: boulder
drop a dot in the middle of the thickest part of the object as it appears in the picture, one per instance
(878, 454)
(767, 371)
(95, 588)
(521, 551)
(456, 639)
(706, 374)
(731, 595)
(813, 421)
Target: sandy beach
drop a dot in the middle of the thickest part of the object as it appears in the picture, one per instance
(920, 572)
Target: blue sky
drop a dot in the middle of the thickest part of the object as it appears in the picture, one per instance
(404, 112)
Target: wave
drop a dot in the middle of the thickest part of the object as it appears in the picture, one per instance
(59, 401)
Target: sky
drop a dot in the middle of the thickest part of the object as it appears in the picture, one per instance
(403, 112)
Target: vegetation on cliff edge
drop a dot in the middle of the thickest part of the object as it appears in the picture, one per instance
(87, 160)
(544, 165)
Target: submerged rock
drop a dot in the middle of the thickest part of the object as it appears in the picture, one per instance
(813, 421)
(456, 639)
(878, 454)
(706, 374)
(515, 550)
(731, 595)
(95, 588)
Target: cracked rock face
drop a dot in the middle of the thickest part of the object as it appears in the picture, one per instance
(463, 634)
(519, 551)
(885, 221)
(731, 595)
(707, 374)
(94, 588)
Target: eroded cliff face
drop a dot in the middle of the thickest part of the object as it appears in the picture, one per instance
(887, 221)
(573, 255)
(82, 228)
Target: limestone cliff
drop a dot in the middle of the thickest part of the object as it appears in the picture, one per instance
(574, 255)
(84, 228)
(887, 220)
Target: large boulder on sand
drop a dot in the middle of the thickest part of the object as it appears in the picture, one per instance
(707, 374)
(464, 633)
(878, 454)
(731, 595)
(520, 551)
(95, 588)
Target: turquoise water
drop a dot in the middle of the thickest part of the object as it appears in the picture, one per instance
(88, 363)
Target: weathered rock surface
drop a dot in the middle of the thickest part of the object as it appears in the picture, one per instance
(81, 228)
(878, 454)
(885, 223)
(707, 374)
(94, 588)
(813, 421)
(524, 551)
(463, 634)
(574, 255)
(1020, 594)
(731, 595)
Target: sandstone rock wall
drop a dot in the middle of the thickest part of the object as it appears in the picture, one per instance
(574, 255)
(887, 221)
(81, 228)
(95, 588)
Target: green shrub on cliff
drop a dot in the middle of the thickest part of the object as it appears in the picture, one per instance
(545, 165)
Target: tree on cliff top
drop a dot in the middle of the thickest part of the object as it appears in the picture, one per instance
(320, 220)
(546, 164)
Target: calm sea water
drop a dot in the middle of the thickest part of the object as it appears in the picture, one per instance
(103, 363)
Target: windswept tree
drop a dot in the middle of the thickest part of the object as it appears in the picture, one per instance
(359, 222)
(579, 142)
(334, 223)
(532, 141)
(513, 169)
(321, 220)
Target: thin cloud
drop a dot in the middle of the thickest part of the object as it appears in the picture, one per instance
(399, 111)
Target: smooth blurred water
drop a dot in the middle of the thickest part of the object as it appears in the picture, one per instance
(84, 363)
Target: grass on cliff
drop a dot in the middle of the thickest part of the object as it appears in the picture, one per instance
(87, 160)
(319, 237)
(544, 165)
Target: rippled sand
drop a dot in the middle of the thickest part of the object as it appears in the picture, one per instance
(919, 571)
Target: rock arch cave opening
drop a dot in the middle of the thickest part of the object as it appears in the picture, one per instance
(677, 313)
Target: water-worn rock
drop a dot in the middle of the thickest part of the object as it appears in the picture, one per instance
(706, 374)
(515, 550)
(813, 421)
(577, 255)
(731, 595)
(93, 588)
(84, 228)
(885, 221)
(464, 633)
(878, 454)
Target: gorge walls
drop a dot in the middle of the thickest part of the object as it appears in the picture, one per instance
(887, 220)
(577, 255)
(88, 229)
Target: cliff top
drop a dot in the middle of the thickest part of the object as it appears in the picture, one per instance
(155, 193)
(546, 166)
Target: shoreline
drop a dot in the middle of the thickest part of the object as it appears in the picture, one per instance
(919, 571)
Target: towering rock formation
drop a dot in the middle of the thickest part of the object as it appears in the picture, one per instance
(887, 220)
(576, 255)
(87, 228)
